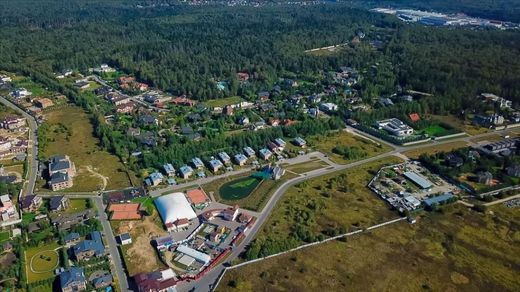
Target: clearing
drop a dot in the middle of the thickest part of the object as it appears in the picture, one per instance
(446, 147)
(72, 134)
(327, 144)
(456, 249)
(41, 262)
(222, 102)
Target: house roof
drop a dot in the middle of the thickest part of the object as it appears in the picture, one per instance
(414, 117)
(55, 202)
(59, 177)
(27, 201)
(71, 236)
(95, 243)
(71, 276)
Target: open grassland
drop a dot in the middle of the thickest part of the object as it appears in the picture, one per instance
(322, 207)
(306, 166)
(44, 261)
(78, 205)
(327, 143)
(456, 250)
(221, 102)
(446, 147)
(4, 235)
(72, 134)
(35, 88)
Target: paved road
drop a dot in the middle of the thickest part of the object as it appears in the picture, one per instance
(205, 283)
(112, 245)
(32, 156)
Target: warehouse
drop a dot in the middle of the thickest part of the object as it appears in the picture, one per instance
(418, 179)
(197, 255)
(173, 207)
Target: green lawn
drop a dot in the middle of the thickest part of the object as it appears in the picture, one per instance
(4, 235)
(28, 218)
(434, 130)
(147, 203)
(27, 83)
(221, 102)
(438, 253)
(43, 267)
(305, 166)
(77, 205)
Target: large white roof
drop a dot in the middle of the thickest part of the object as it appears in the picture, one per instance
(173, 207)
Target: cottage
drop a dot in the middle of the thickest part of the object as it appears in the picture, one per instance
(58, 203)
(298, 141)
(249, 151)
(197, 163)
(88, 248)
(185, 171)
(154, 179)
(224, 157)
(168, 169)
(265, 153)
(71, 239)
(102, 281)
(31, 203)
(43, 103)
(240, 159)
(73, 280)
(453, 160)
(215, 165)
(484, 177)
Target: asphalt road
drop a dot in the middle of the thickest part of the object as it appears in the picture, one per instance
(33, 153)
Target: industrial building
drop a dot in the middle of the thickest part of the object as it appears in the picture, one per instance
(418, 179)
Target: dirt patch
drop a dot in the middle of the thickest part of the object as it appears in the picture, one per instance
(458, 278)
(141, 256)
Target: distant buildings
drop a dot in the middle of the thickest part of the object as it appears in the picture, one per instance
(12, 123)
(185, 171)
(489, 121)
(30, 203)
(154, 179)
(499, 101)
(298, 141)
(215, 165)
(168, 169)
(197, 163)
(58, 203)
(265, 153)
(240, 159)
(249, 151)
(125, 239)
(224, 157)
(8, 210)
(484, 177)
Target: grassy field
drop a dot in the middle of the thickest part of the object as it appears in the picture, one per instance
(43, 267)
(305, 166)
(221, 102)
(327, 143)
(82, 147)
(435, 130)
(4, 235)
(457, 250)
(33, 87)
(337, 202)
(462, 125)
(447, 147)
(77, 205)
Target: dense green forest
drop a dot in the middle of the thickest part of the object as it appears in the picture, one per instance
(185, 49)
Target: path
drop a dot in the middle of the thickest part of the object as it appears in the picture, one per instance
(99, 175)
(491, 203)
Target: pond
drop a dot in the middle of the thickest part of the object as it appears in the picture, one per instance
(239, 188)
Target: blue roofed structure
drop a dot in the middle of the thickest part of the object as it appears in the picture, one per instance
(224, 157)
(89, 248)
(280, 142)
(73, 280)
(197, 163)
(418, 179)
(240, 159)
(298, 141)
(154, 179)
(169, 169)
(215, 165)
(265, 153)
(438, 200)
(185, 171)
(249, 151)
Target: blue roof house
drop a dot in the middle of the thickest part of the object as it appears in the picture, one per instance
(185, 171)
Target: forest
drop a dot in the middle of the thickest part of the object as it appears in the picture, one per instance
(186, 49)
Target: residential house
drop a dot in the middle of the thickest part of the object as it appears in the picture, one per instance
(484, 177)
(12, 123)
(298, 141)
(58, 203)
(168, 169)
(453, 160)
(244, 121)
(395, 127)
(73, 280)
(61, 164)
(265, 153)
(263, 95)
(224, 157)
(102, 281)
(249, 151)
(328, 107)
(89, 248)
(240, 159)
(414, 117)
(215, 165)
(66, 221)
(154, 179)
(125, 108)
(185, 171)
(280, 142)
(149, 120)
(60, 181)
(7, 209)
(164, 243)
(489, 121)
(30, 203)
(71, 239)
(197, 163)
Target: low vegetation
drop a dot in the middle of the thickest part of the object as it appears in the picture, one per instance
(456, 249)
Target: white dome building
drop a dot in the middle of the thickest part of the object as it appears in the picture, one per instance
(173, 207)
